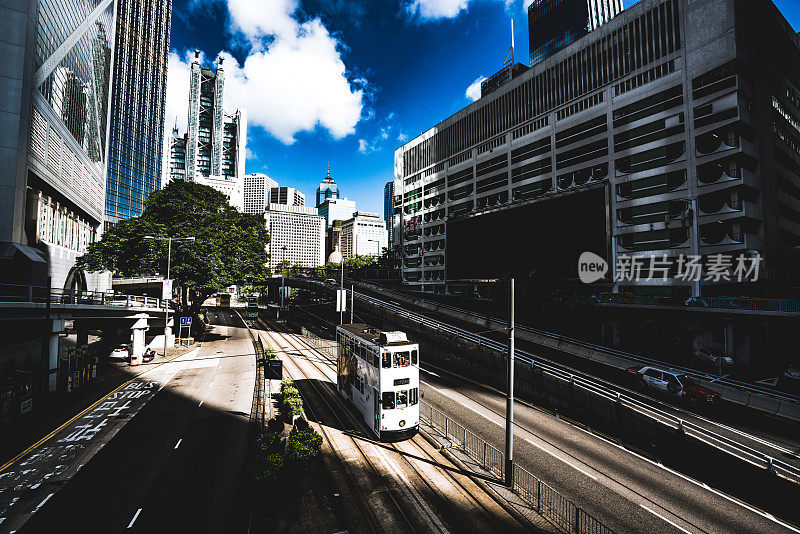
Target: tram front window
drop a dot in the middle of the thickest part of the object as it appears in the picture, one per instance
(402, 399)
(388, 400)
(401, 359)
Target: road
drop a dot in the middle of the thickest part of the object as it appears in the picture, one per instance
(175, 463)
(627, 491)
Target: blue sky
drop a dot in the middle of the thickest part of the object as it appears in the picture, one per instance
(346, 81)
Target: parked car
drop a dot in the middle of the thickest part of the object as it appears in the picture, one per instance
(792, 372)
(302, 275)
(120, 353)
(673, 383)
(148, 355)
(331, 281)
(713, 359)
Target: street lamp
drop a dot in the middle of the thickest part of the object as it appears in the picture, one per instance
(283, 274)
(169, 241)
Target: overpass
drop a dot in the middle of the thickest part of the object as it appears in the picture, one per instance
(34, 316)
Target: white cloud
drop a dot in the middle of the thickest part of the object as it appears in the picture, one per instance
(292, 80)
(436, 9)
(402, 138)
(474, 90)
(363, 146)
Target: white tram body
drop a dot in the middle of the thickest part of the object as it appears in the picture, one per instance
(378, 372)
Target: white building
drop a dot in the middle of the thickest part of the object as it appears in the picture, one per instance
(286, 195)
(300, 230)
(212, 152)
(257, 187)
(364, 235)
(337, 209)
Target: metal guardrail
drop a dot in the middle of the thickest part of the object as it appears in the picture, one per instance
(548, 502)
(613, 394)
(42, 295)
(720, 303)
(694, 373)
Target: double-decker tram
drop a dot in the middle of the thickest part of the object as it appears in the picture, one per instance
(378, 372)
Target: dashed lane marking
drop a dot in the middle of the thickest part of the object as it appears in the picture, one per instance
(139, 511)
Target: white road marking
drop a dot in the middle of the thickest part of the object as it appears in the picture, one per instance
(43, 501)
(179, 443)
(554, 455)
(201, 403)
(134, 517)
(428, 372)
(665, 519)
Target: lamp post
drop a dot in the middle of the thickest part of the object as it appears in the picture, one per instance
(169, 241)
(283, 274)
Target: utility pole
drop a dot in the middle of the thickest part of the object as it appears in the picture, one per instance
(283, 275)
(341, 288)
(169, 241)
(510, 396)
(352, 291)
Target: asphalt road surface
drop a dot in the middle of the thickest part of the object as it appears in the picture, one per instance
(626, 491)
(177, 466)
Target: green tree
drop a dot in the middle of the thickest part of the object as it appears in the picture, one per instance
(229, 247)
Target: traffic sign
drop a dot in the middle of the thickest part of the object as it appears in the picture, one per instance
(186, 321)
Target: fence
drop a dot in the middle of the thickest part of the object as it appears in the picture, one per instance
(727, 303)
(562, 512)
(36, 294)
(548, 502)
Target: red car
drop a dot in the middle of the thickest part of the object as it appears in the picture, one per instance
(674, 383)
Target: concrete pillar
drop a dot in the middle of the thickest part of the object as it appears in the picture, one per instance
(56, 327)
(137, 335)
(82, 328)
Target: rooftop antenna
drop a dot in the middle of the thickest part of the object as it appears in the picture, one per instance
(511, 50)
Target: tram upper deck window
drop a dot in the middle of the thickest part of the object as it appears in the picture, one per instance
(388, 400)
(401, 359)
(387, 360)
(414, 357)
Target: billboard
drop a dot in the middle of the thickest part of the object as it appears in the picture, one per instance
(413, 226)
(545, 236)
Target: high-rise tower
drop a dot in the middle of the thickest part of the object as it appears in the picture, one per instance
(138, 99)
(327, 189)
(554, 24)
(215, 141)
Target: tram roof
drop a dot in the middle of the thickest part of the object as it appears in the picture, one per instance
(371, 334)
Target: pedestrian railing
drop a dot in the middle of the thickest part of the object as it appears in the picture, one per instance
(326, 346)
(724, 303)
(548, 502)
(42, 295)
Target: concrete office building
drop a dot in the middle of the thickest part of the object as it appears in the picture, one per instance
(138, 99)
(300, 230)
(363, 235)
(56, 65)
(212, 152)
(673, 129)
(327, 189)
(336, 209)
(288, 196)
(554, 24)
(257, 187)
(388, 210)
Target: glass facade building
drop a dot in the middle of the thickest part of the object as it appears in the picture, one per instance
(554, 24)
(327, 189)
(388, 209)
(138, 98)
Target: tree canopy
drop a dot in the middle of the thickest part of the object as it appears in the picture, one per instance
(229, 246)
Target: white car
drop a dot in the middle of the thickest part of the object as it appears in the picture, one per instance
(673, 383)
(713, 359)
(120, 353)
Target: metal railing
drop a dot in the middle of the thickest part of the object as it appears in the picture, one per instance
(719, 303)
(323, 345)
(612, 393)
(548, 502)
(42, 295)
(694, 373)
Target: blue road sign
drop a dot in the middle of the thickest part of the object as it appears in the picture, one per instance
(186, 321)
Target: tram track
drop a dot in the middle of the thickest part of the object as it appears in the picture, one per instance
(375, 493)
(486, 520)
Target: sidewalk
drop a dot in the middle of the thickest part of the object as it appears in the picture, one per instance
(53, 409)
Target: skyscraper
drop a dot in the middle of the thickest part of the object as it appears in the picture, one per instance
(138, 93)
(288, 196)
(257, 187)
(55, 125)
(214, 151)
(388, 209)
(554, 24)
(327, 189)
(297, 235)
